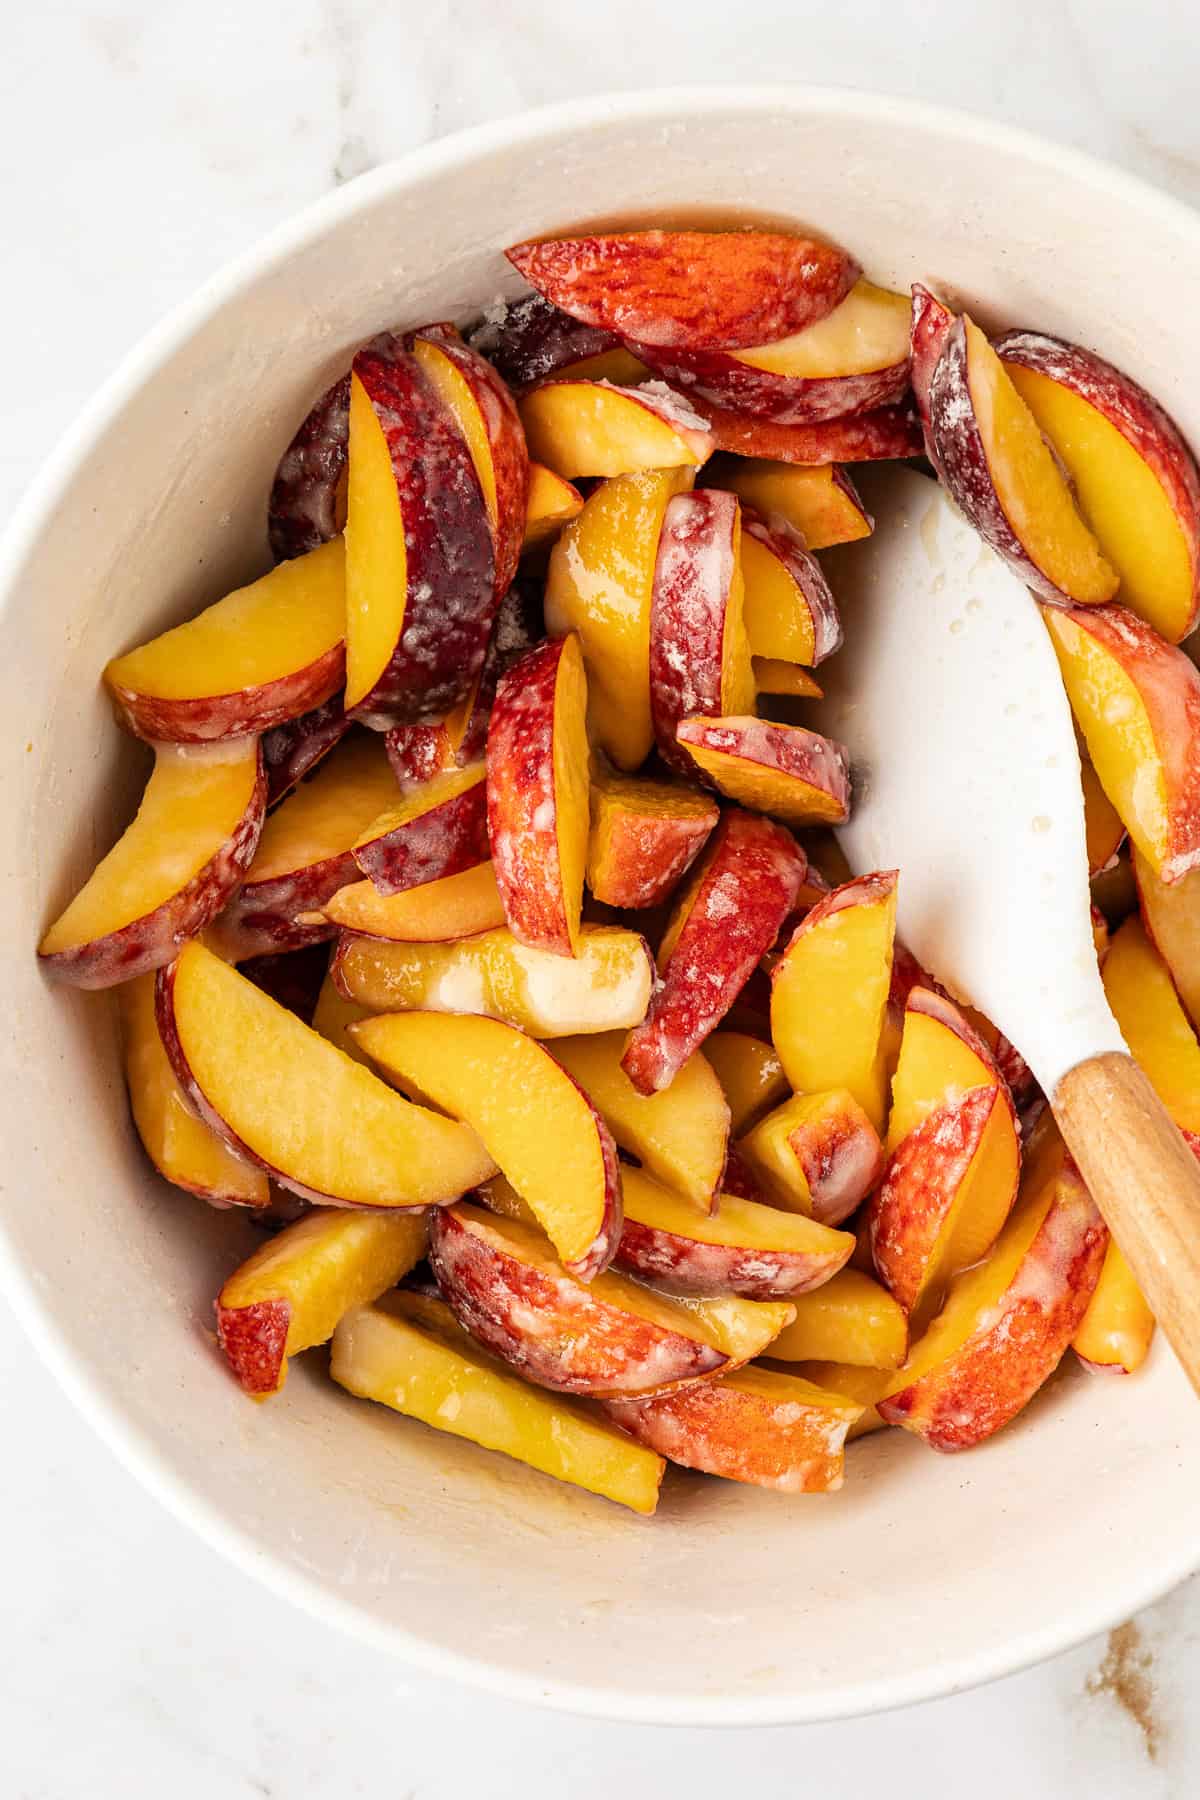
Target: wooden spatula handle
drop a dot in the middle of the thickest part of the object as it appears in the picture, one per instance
(1146, 1182)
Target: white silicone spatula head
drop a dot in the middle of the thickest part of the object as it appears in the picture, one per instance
(948, 695)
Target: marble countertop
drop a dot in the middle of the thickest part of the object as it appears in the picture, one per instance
(145, 144)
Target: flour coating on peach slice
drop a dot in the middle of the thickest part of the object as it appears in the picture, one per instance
(931, 323)
(687, 1265)
(841, 1164)
(407, 847)
(782, 540)
(558, 1332)
(303, 508)
(530, 339)
(691, 601)
(690, 288)
(790, 750)
(748, 882)
(883, 434)
(770, 1430)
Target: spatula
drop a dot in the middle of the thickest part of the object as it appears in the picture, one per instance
(966, 771)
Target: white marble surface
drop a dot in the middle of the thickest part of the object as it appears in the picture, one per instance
(144, 142)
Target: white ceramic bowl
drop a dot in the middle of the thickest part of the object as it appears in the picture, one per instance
(925, 1573)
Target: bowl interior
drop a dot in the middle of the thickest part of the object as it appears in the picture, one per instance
(924, 1573)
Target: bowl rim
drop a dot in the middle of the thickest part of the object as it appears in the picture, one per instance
(1097, 1610)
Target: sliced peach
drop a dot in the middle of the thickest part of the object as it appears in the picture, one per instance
(954, 1155)
(536, 1122)
(591, 428)
(551, 504)
(644, 836)
(264, 654)
(850, 1319)
(773, 676)
(294, 749)
(853, 359)
(537, 794)
(1171, 915)
(334, 1014)
(790, 611)
(1118, 1327)
(829, 993)
(821, 503)
(409, 1352)
(787, 770)
(529, 339)
(171, 871)
(693, 288)
(1152, 1021)
(884, 433)
(750, 1073)
(1002, 474)
(304, 854)
(817, 1154)
(1135, 480)
(729, 914)
(308, 500)
(758, 1426)
(1137, 702)
(680, 1135)
(1102, 825)
(699, 653)
(1007, 1322)
(609, 1336)
(293, 1291)
(605, 986)
(436, 829)
(862, 1385)
(486, 415)
(181, 1146)
(456, 907)
(600, 583)
(930, 327)
(288, 1101)
(742, 1248)
(420, 561)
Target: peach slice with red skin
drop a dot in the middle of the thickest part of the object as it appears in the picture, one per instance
(181, 1146)
(787, 770)
(930, 326)
(409, 1352)
(742, 1248)
(732, 909)
(330, 1131)
(171, 871)
(695, 289)
(849, 1319)
(261, 656)
(679, 1135)
(750, 1073)
(305, 854)
(817, 1154)
(307, 503)
(1136, 700)
(852, 360)
(534, 1118)
(954, 1155)
(486, 415)
(1117, 1329)
(644, 836)
(829, 993)
(604, 987)
(530, 339)
(537, 794)
(458, 906)
(886, 433)
(437, 829)
(1135, 480)
(757, 1426)
(293, 750)
(599, 583)
(589, 428)
(1002, 475)
(821, 503)
(1153, 1023)
(774, 676)
(292, 1293)
(1007, 1322)
(610, 1336)
(789, 609)
(699, 653)
(420, 561)
(1171, 917)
